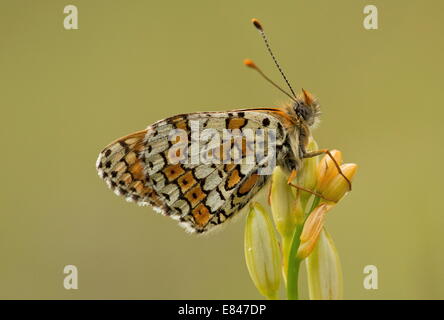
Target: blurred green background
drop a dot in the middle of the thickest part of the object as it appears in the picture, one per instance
(67, 94)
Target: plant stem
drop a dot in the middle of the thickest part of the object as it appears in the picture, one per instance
(286, 246)
(293, 266)
(293, 261)
(314, 204)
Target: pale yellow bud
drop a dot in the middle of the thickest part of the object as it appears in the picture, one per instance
(312, 228)
(307, 176)
(324, 271)
(262, 252)
(337, 187)
(284, 205)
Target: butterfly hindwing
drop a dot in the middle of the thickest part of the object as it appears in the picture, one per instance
(200, 186)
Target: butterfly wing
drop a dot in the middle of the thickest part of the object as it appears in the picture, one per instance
(149, 168)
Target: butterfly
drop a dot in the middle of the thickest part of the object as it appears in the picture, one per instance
(153, 167)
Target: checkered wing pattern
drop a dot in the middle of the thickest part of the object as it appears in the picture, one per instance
(153, 167)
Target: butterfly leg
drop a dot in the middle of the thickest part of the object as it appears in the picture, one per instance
(326, 151)
(269, 195)
(289, 182)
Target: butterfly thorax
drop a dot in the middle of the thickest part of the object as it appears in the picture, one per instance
(301, 115)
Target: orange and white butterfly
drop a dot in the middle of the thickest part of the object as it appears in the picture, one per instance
(144, 168)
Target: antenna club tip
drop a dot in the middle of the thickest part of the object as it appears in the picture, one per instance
(249, 63)
(257, 24)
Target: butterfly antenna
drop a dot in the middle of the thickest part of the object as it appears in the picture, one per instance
(258, 26)
(252, 65)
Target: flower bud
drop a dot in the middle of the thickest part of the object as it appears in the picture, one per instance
(327, 168)
(262, 252)
(284, 205)
(337, 187)
(324, 270)
(312, 228)
(307, 176)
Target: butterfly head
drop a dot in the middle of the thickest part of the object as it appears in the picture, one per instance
(307, 108)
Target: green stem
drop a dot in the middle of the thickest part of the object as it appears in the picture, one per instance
(293, 266)
(286, 246)
(293, 261)
(314, 204)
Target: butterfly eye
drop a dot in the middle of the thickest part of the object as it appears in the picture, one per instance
(305, 112)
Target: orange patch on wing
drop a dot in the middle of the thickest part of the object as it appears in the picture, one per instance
(241, 145)
(229, 167)
(223, 154)
(201, 215)
(126, 178)
(244, 147)
(140, 146)
(172, 172)
(154, 198)
(248, 184)
(120, 167)
(138, 186)
(137, 170)
(146, 190)
(195, 195)
(281, 114)
(236, 123)
(182, 124)
(130, 158)
(233, 179)
(186, 181)
(175, 141)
